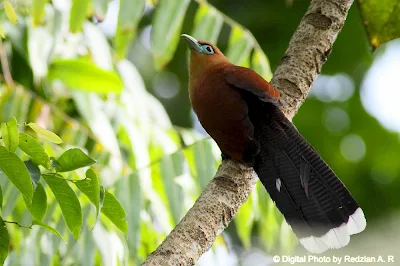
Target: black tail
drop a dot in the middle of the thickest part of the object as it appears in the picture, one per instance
(315, 203)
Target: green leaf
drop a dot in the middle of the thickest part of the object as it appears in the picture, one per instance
(78, 14)
(4, 242)
(90, 186)
(38, 11)
(47, 134)
(381, 19)
(2, 32)
(9, 133)
(130, 12)
(170, 168)
(1, 200)
(69, 203)
(33, 148)
(10, 12)
(82, 75)
(244, 222)
(260, 64)
(73, 159)
(100, 8)
(33, 170)
(167, 25)
(48, 228)
(38, 207)
(114, 211)
(207, 23)
(204, 162)
(239, 46)
(16, 171)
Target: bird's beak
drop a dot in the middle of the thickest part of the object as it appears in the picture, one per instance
(192, 42)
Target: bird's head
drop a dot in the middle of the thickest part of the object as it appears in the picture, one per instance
(202, 53)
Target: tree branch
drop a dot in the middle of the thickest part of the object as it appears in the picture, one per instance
(308, 50)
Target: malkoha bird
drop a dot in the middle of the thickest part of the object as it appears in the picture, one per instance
(240, 111)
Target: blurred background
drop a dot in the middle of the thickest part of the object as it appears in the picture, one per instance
(63, 55)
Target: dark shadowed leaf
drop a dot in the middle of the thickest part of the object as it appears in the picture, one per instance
(78, 14)
(90, 186)
(39, 203)
(9, 133)
(47, 134)
(69, 203)
(83, 75)
(381, 19)
(73, 159)
(167, 25)
(33, 148)
(48, 228)
(4, 241)
(130, 12)
(114, 211)
(16, 171)
(33, 170)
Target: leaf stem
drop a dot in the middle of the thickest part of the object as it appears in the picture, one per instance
(5, 66)
(19, 225)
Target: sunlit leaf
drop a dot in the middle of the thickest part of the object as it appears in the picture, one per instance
(48, 228)
(38, 207)
(260, 64)
(73, 159)
(239, 46)
(33, 170)
(47, 134)
(130, 12)
(129, 194)
(114, 211)
(99, 46)
(207, 24)
(381, 19)
(1, 200)
(167, 25)
(90, 186)
(9, 133)
(69, 203)
(4, 242)
(100, 8)
(244, 222)
(2, 32)
(204, 162)
(82, 75)
(78, 14)
(10, 12)
(170, 168)
(16, 171)
(38, 11)
(33, 148)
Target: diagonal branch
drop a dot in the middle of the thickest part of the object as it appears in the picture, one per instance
(308, 50)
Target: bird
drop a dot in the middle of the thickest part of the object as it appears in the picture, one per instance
(241, 111)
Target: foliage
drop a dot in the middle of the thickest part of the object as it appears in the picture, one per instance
(381, 19)
(92, 86)
(26, 177)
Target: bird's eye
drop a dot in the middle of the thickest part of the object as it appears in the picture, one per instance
(208, 49)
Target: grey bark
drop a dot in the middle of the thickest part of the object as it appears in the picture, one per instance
(308, 50)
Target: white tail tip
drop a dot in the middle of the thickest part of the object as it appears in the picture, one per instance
(336, 237)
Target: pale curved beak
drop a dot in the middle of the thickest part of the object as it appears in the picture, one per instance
(192, 42)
